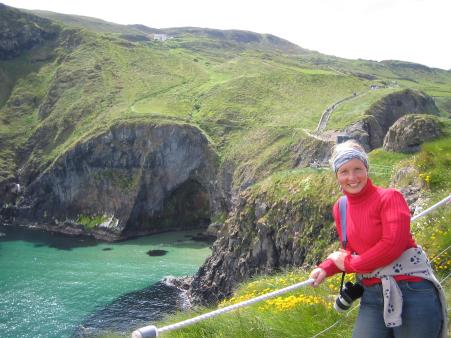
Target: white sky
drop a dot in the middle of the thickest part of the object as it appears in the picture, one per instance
(410, 30)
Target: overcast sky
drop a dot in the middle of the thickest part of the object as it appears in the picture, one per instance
(410, 30)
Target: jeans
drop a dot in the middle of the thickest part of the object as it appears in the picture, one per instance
(421, 312)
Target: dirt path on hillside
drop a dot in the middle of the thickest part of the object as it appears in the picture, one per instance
(326, 114)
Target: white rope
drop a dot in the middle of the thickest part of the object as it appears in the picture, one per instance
(152, 331)
(337, 322)
(428, 210)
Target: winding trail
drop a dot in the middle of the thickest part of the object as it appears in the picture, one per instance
(326, 114)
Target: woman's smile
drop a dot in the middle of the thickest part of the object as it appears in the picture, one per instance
(352, 176)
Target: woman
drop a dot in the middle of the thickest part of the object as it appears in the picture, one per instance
(401, 297)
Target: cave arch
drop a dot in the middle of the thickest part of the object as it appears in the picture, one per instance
(187, 206)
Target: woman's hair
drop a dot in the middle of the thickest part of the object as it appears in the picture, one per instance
(346, 151)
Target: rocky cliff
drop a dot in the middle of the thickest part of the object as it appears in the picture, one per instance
(133, 179)
(371, 130)
(20, 31)
(284, 221)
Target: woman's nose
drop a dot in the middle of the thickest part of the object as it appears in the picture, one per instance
(352, 176)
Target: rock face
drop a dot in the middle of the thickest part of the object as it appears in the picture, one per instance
(20, 31)
(134, 179)
(264, 235)
(410, 131)
(311, 152)
(370, 131)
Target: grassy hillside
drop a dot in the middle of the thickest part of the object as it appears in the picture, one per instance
(234, 85)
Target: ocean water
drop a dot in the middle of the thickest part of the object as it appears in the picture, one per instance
(57, 286)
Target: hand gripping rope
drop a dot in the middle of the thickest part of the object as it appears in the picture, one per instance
(152, 331)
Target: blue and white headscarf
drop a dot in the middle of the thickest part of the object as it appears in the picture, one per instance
(347, 154)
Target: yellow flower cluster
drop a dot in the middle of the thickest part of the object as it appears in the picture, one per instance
(333, 283)
(260, 287)
(290, 302)
(442, 263)
(426, 178)
(241, 298)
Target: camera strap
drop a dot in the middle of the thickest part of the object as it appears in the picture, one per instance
(342, 208)
(342, 202)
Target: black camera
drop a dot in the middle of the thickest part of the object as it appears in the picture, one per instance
(347, 295)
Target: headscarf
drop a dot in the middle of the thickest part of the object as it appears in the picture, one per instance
(347, 154)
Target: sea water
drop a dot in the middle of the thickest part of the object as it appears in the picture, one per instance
(57, 286)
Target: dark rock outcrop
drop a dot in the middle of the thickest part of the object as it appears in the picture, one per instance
(370, 131)
(133, 179)
(407, 134)
(312, 151)
(20, 31)
(264, 235)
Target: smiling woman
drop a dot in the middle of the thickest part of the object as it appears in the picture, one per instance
(352, 176)
(374, 227)
(350, 164)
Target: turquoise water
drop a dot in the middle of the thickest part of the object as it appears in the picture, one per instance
(56, 286)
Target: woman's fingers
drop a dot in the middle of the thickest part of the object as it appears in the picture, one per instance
(318, 274)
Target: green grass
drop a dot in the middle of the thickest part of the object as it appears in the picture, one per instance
(383, 165)
(90, 222)
(434, 163)
(354, 110)
(301, 313)
(233, 90)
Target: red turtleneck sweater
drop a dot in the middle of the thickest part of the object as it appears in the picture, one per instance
(378, 231)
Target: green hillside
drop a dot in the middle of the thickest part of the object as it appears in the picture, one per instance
(234, 85)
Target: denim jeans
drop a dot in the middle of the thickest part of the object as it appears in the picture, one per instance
(421, 313)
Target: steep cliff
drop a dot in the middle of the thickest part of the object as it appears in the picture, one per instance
(20, 31)
(134, 179)
(371, 130)
(282, 222)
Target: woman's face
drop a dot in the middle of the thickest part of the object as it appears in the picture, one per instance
(352, 176)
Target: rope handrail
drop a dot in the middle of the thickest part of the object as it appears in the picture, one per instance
(428, 210)
(151, 331)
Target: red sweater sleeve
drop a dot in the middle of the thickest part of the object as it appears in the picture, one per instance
(395, 219)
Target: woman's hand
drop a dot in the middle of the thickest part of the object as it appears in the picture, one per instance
(338, 257)
(318, 274)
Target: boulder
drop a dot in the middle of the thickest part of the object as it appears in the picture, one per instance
(407, 134)
(371, 130)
